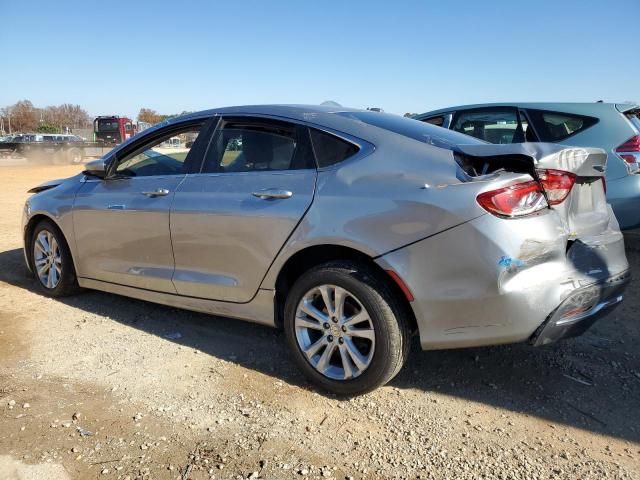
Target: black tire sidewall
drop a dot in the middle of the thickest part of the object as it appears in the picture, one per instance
(370, 291)
(71, 153)
(67, 284)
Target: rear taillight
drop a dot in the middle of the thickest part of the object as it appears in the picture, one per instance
(557, 184)
(528, 197)
(514, 201)
(629, 151)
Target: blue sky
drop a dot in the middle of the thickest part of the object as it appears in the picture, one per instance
(116, 57)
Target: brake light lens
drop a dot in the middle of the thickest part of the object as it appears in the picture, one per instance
(557, 185)
(528, 197)
(629, 151)
(631, 145)
(514, 201)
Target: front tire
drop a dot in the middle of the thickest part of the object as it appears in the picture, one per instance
(347, 331)
(51, 261)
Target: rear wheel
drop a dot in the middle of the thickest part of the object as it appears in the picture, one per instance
(58, 157)
(347, 331)
(74, 155)
(51, 261)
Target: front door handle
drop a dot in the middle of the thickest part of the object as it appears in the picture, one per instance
(160, 192)
(272, 193)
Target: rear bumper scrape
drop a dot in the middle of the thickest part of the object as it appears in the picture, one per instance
(581, 309)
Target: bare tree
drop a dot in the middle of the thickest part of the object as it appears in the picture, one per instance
(23, 116)
(148, 115)
(65, 116)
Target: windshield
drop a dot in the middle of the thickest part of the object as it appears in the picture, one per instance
(107, 125)
(415, 129)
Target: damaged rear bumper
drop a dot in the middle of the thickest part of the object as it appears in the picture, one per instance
(581, 309)
(492, 281)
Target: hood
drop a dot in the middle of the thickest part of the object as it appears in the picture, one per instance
(49, 184)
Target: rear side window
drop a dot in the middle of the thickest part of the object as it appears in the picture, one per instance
(556, 126)
(491, 125)
(330, 149)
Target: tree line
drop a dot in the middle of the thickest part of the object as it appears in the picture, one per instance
(24, 117)
(151, 116)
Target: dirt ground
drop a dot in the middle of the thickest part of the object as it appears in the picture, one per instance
(101, 386)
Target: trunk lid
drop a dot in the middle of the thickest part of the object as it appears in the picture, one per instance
(584, 211)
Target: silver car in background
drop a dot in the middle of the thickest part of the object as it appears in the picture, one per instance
(352, 230)
(614, 127)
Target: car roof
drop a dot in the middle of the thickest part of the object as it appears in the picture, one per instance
(294, 112)
(374, 130)
(569, 107)
(320, 115)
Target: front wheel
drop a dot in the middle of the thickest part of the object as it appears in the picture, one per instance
(347, 330)
(51, 261)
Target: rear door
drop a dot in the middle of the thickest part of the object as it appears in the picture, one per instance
(229, 221)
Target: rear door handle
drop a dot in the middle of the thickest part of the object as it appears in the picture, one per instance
(160, 192)
(272, 193)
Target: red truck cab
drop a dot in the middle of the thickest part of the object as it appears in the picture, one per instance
(113, 129)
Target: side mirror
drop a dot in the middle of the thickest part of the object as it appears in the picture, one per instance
(96, 168)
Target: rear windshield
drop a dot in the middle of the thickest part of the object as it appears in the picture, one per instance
(415, 129)
(633, 116)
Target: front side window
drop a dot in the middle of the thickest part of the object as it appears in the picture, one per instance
(164, 155)
(437, 121)
(247, 145)
(491, 125)
(556, 126)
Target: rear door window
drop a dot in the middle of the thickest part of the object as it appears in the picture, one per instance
(493, 125)
(557, 126)
(247, 144)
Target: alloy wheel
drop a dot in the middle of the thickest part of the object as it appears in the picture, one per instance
(47, 259)
(334, 332)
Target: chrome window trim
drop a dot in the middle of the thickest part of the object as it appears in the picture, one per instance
(365, 147)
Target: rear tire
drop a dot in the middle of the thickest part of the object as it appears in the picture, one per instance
(351, 349)
(59, 157)
(51, 262)
(74, 156)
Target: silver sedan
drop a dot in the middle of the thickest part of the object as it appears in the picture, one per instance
(352, 230)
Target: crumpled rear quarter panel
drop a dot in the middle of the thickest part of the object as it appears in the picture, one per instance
(494, 280)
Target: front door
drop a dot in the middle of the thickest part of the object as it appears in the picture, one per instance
(230, 221)
(121, 222)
